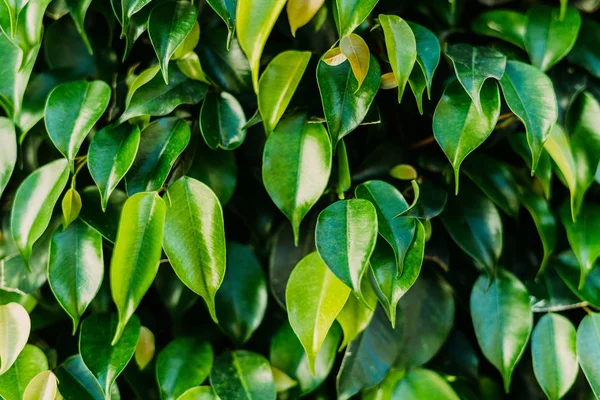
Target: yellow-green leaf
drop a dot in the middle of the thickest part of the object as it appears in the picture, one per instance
(71, 206)
(300, 12)
(43, 386)
(334, 57)
(357, 52)
(144, 351)
(559, 148)
(16, 325)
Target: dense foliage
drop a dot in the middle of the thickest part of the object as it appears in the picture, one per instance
(261, 199)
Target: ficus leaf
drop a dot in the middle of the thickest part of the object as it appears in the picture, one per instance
(75, 381)
(588, 349)
(8, 151)
(217, 169)
(43, 386)
(354, 48)
(349, 14)
(78, 9)
(585, 53)
(106, 223)
(145, 348)
(502, 24)
(428, 58)
(300, 12)
(16, 326)
(401, 48)
(543, 172)
(199, 393)
(71, 206)
(355, 316)
(242, 374)
(558, 147)
(545, 222)
(222, 121)
(423, 384)
(567, 267)
(189, 65)
(334, 57)
(189, 43)
(226, 9)
(31, 361)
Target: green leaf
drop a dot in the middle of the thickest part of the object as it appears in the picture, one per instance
(549, 37)
(194, 238)
(502, 24)
(545, 222)
(226, 9)
(389, 286)
(401, 48)
(189, 43)
(543, 171)
(162, 141)
(106, 223)
(530, 95)
(150, 96)
(314, 298)
(71, 206)
(428, 58)
(110, 156)
(72, 110)
(34, 202)
(144, 350)
(8, 152)
(345, 104)
(583, 236)
(255, 20)
(181, 365)
(423, 384)
(502, 319)
(189, 65)
(558, 147)
(287, 354)
(43, 386)
(78, 9)
(242, 300)
(136, 254)
(346, 233)
(588, 350)
(355, 316)
(349, 14)
(567, 267)
(222, 121)
(75, 268)
(473, 65)
(16, 325)
(168, 26)
(475, 225)
(554, 352)
(296, 167)
(300, 12)
(586, 53)
(31, 361)
(75, 381)
(278, 83)
(242, 375)
(199, 393)
(217, 169)
(459, 127)
(106, 361)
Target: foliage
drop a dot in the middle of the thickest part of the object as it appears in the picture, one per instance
(261, 199)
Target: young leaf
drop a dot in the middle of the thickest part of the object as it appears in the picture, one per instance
(43, 386)
(530, 95)
(199, 393)
(226, 9)
(189, 43)
(72, 110)
(355, 316)
(145, 348)
(428, 58)
(588, 349)
(162, 142)
(194, 238)
(549, 37)
(222, 121)
(459, 127)
(586, 53)
(300, 12)
(401, 48)
(110, 156)
(545, 222)
(501, 311)
(75, 268)
(34, 203)
(423, 384)
(296, 167)
(346, 233)
(254, 21)
(31, 361)
(168, 26)
(502, 24)
(349, 14)
(242, 374)
(314, 298)
(278, 84)
(75, 381)
(189, 65)
(104, 359)
(8, 151)
(554, 353)
(345, 104)
(16, 325)
(354, 48)
(71, 206)
(558, 147)
(181, 365)
(473, 65)
(136, 254)
(334, 57)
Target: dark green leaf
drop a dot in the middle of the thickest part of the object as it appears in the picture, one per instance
(217, 169)
(106, 223)
(502, 24)
(544, 220)
(428, 58)
(585, 53)
(349, 14)
(76, 382)
(222, 121)
(242, 375)
(226, 9)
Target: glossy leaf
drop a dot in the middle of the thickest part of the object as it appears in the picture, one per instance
(75, 268)
(106, 223)
(78, 9)
(314, 298)
(428, 58)
(502, 24)
(401, 48)
(501, 309)
(349, 14)
(543, 172)
(334, 57)
(242, 375)
(43, 386)
(181, 365)
(588, 348)
(199, 393)
(545, 222)
(31, 361)
(144, 350)
(71, 111)
(300, 12)
(136, 254)
(110, 156)
(71, 207)
(16, 326)
(423, 384)
(585, 53)
(558, 147)
(8, 153)
(76, 382)
(226, 9)
(354, 48)
(222, 121)
(194, 238)
(355, 316)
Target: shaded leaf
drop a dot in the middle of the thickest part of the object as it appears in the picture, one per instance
(222, 121)
(76, 382)
(588, 349)
(144, 350)
(545, 222)
(226, 9)
(242, 375)
(502, 24)
(8, 152)
(423, 384)
(428, 58)
(585, 53)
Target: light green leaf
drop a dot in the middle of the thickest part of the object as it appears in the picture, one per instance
(401, 48)
(145, 348)
(189, 43)
(168, 26)
(558, 147)
(300, 12)
(222, 121)
(43, 386)
(78, 9)
(72, 110)
(530, 95)
(34, 202)
(199, 393)
(554, 352)
(502, 319)
(254, 21)
(428, 58)
(71, 206)
(110, 156)
(16, 325)
(104, 359)
(75, 381)
(423, 384)
(194, 238)
(354, 48)
(502, 24)
(349, 14)
(136, 254)
(355, 316)
(226, 9)
(241, 301)
(278, 84)
(545, 222)
(30, 362)
(459, 127)
(181, 365)
(75, 268)
(314, 298)
(588, 350)
(549, 37)
(161, 143)
(243, 375)
(346, 233)
(189, 65)
(586, 53)
(296, 167)
(8, 152)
